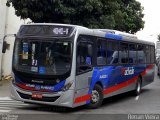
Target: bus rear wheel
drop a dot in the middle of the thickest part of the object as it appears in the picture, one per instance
(138, 88)
(96, 97)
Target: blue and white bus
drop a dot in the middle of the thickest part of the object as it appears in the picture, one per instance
(70, 66)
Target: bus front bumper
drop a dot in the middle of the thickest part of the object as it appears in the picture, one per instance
(61, 98)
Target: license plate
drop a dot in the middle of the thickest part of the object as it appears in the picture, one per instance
(37, 95)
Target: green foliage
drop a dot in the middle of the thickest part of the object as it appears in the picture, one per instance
(124, 15)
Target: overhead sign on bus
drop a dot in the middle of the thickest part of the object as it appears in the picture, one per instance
(45, 30)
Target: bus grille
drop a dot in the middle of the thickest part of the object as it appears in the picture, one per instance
(45, 99)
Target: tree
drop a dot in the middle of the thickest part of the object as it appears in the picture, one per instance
(124, 15)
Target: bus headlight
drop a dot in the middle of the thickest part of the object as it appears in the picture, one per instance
(67, 86)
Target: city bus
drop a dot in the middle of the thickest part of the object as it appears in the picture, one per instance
(69, 65)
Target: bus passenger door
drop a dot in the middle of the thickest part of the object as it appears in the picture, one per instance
(84, 65)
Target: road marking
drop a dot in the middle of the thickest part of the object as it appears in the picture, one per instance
(4, 111)
(5, 108)
(137, 98)
(7, 104)
(10, 101)
(5, 98)
(13, 104)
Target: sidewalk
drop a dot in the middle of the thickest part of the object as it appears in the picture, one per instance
(5, 88)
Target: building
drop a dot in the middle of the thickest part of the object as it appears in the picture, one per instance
(9, 24)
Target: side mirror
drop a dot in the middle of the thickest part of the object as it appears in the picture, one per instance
(89, 49)
(4, 47)
(5, 44)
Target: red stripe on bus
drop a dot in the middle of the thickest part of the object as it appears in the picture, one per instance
(23, 86)
(82, 98)
(127, 83)
(106, 91)
(119, 86)
(147, 69)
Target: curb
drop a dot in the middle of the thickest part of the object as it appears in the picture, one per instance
(4, 83)
(7, 78)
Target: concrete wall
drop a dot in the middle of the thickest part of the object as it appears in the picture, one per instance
(12, 26)
(3, 16)
(9, 24)
(3, 9)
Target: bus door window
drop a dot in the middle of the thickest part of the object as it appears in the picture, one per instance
(112, 52)
(123, 53)
(101, 53)
(84, 57)
(132, 54)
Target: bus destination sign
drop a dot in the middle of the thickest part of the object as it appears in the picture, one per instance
(45, 30)
(61, 31)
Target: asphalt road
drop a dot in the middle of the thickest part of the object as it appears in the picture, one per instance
(118, 107)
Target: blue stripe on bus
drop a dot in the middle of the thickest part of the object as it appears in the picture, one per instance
(113, 36)
(111, 75)
(115, 87)
(49, 88)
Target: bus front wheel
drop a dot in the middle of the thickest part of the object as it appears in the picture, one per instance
(96, 97)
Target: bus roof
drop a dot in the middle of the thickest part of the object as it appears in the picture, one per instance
(104, 33)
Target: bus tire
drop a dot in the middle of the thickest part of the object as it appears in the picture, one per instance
(96, 97)
(138, 87)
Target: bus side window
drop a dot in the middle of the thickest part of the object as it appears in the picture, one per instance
(148, 54)
(84, 57)
(112, 52)
(141, 54)
(101, 52)
(152, 54)
(123, 53)
(132, 54)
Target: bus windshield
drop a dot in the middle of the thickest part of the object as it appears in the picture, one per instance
(45, 57)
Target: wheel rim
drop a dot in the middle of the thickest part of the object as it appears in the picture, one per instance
(95, 96)
(138, 87)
